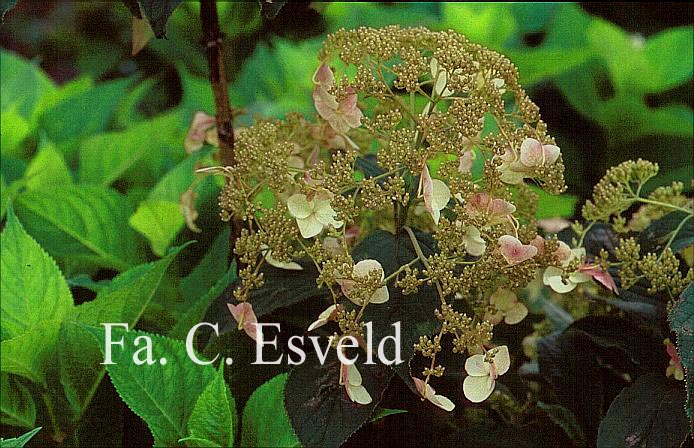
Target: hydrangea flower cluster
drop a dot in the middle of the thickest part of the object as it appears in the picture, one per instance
(451, 141)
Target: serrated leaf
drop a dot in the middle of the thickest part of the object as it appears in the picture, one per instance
(81, 221)
(16, 403)
(682, 324)
(124, 299)
(162, 395)
(214, 415)
(35, 298)
(319, 409)
(648, 413)
(265, 421)
(157, 13)
(159, 222)
(20, 441)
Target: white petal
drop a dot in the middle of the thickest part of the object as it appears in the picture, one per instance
(476, 366)
(441, 194)
(299, 206)
(358, 394)
(354, 376)
(476, 388)
(309, 227)
(531, 153)
(578, 277)
(365, 267)
(502, 360)
(380, 296)
(317, 324)
(552, 278)
(503, 299)
(551, 152)
(516, 314)
(442, 402)
(288, 265)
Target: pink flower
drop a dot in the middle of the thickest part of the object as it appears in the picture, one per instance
(326, 316)
(342, 115)
(497, 209)
(514, 251)
(533, 153)
(245, 316)
(603, 277)
(197, 133)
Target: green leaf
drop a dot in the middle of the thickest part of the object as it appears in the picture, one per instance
(35, 297)
(83, 112)
(157, 13)
(566, 420)
(16, 403)
(81, 221)
(124, 299)
(214, 415)
(14, 130)
(319, 409)
(164, 396)
(265, 421)
(659, 232)
(648, 413)
(178, 180)
(682, 324)
(105, 158)
(23, 85)
(196, 311)
(382, 413)
(159, 222)
(47, 169)
(20, 441)
(209, 270)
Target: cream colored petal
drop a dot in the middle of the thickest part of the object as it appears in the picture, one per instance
(380, 296)
(476, 366)
(579, 277)
(365, 267)
(503, 299)
(502, 360)
(288, 265)
(441, 194)
(516, 313)
(358, 394)
(509, 176)
(442, 402)
(531, 152)
(477, 388)
(299, 206)
(354, 376)
(309, 227)
(552, 278)
(551, 153)
(323, 318)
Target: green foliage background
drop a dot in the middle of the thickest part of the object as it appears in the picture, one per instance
(93, 167)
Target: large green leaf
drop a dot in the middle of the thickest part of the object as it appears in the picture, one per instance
(23, 85)
(682, 324)
(164, 396)
(47, 169)
(319, 409)
(209, 270)
(16, 403)
(159, 222)
(15, 130)
(106, 157)
(123, 300)
(265, 421)
(213, 421)
(35, 297)
(648, 413)
(81, 221)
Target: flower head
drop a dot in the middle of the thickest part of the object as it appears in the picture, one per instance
(351, 379)
(506, 307)
(427, 392)
(312, 215)
(514, 251)
(483, 370)
(342, 115)
(245, 316)
(361, 271)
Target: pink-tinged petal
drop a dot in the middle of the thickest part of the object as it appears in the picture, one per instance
(365, 267)
(465, 164)
(245, 316)
(603, 277)
(531, 153)
(324, 317)
(502, 360)
(323, 76)
(539, 243)
(197, 131)
(551, 153)
(553, 225)
(501, 207)
(563, 253)
(514, 251)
